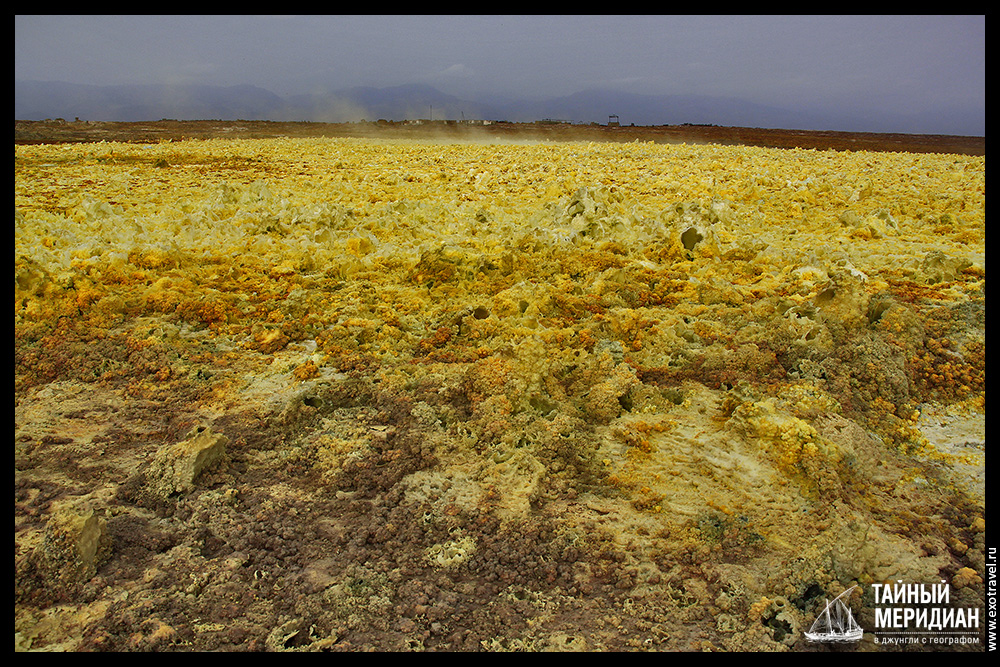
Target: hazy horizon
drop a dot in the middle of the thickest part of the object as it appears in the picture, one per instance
(927, 66)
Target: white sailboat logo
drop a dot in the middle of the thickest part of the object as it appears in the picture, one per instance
(836, 623)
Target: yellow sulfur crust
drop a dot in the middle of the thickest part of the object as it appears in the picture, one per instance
(721, 359)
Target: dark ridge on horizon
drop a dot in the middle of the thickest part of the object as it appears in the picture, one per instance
(39, 100)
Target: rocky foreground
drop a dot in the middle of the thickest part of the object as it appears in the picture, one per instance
(354, 393)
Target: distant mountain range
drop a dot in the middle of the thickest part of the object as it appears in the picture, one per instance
(38, 100)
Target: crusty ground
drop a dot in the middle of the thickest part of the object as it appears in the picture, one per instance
(545, 431)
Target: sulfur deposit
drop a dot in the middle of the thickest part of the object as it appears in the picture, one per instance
(357, 394)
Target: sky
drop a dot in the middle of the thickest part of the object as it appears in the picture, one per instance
(905, 63)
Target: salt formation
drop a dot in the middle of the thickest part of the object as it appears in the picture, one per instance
(485, 396)
(176, 468)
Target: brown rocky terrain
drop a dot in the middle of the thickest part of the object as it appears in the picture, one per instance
(57, 131)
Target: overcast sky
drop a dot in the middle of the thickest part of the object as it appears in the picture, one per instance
(906, 63)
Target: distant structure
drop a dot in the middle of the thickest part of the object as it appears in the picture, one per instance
(613, 121)
(464, 121)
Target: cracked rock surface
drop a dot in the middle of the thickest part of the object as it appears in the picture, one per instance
(337, 394)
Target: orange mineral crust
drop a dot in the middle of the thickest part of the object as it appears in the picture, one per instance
(349, 394)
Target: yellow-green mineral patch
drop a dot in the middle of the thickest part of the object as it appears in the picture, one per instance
(503, 396)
